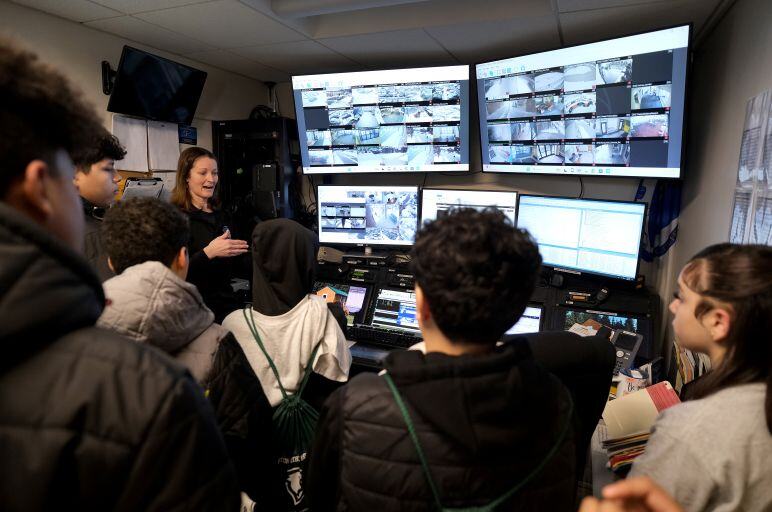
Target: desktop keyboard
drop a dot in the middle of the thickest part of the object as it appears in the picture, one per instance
(386, 337)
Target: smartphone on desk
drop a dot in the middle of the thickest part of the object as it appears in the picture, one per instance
(626, 345)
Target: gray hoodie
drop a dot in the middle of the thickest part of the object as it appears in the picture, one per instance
(149, 303)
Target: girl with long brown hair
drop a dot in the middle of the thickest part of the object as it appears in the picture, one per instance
(714, 452)
(211, 246)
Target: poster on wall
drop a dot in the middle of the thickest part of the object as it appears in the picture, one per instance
(752, 211)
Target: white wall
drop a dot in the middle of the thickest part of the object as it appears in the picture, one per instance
(77, 51)
(730, 67)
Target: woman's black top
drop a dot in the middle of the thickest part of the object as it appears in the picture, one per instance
(212, 277)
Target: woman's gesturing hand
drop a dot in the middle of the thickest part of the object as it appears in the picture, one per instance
(225, 247)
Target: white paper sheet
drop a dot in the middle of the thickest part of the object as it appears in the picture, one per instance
(163, 146)
(132, 134)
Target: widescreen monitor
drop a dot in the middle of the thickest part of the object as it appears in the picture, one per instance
(399, 120)
(610, 108)
(153, 87)
(584, 235)
(395, 310)
(435, 202)
(367, 215)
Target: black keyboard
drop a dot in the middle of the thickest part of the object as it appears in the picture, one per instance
(380, 336)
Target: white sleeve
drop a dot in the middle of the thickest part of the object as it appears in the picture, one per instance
(333, 359)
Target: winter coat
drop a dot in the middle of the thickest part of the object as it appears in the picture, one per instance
(485, 422)
(88, 419)
(149, 303)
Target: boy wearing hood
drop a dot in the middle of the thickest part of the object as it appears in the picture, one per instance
(492, 424)
(149, 300)
(291, 322)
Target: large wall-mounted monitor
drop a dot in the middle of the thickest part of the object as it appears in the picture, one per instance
(367, 215)
(435, 202)
(611, 108)
(153, 87)
(585, 235)
(399, 120)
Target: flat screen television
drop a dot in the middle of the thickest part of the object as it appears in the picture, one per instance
(156, 88)
(610, 108)
(585, 236)
(399, 120)
(367, 215)
(434, 201)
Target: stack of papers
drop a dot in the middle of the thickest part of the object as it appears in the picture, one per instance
(629, 420)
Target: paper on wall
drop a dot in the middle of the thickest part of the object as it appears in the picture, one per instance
(132, 134)
(163, 146)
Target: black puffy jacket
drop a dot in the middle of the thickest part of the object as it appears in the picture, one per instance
(88, 419)
(484, 421)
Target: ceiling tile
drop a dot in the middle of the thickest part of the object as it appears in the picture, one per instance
(583, 5)
(75, 10)
(135, 6)
(228, 61)
(420, 15)
(490, 40)
(300, 57)
(223, 24)
(149, 34)
(586, 26)
(392, 49)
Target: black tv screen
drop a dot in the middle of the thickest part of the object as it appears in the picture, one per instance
(155, 88)
(609, 108)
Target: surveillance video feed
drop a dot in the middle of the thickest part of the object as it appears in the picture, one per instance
(613, 108)
(368, 215)
(350, 297)
(409, 120)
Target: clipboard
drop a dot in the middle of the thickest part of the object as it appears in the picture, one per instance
(142, 187)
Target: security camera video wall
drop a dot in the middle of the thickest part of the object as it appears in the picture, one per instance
(608, 108)
(367, 215)
(409, 120)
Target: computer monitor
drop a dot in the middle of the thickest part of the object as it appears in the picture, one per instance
(529, 321)
(403, 120)
(610, 108)
(585, 235)
(435, 202)
(367, 215)
(395, 309)
(351, 297)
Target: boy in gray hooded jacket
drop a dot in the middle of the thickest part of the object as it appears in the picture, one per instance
(149, 300)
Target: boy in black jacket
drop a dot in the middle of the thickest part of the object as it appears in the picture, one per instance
(88, 419)
(487, 418)
(97, 181)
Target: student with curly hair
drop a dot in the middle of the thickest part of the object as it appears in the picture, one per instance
(149, 300)
(490, 425)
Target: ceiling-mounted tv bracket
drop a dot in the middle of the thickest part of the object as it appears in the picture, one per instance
(108, 77)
